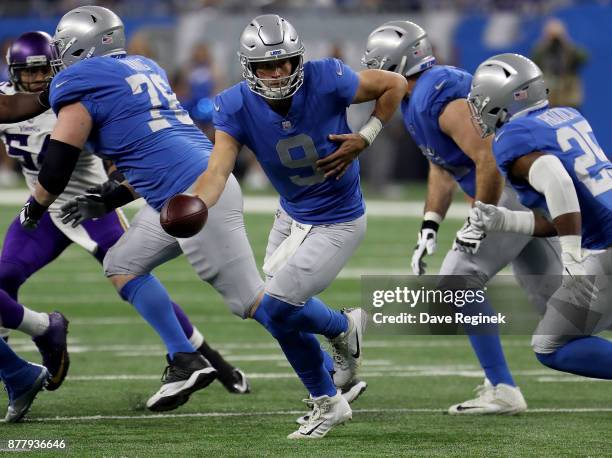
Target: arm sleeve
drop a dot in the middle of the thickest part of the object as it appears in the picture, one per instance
(548, 176)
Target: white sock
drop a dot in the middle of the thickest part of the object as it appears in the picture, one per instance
(196, 339)
(34, 323)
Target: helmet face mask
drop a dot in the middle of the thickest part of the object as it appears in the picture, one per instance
(28, 58)
(84, 32)
(269, 38)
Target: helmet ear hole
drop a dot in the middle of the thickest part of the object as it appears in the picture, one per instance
(494, 111)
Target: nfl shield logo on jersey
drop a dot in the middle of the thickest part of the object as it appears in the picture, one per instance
(286, 124)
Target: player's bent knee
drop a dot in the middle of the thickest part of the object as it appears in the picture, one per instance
(119, 281)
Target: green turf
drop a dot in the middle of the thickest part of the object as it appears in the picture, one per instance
(404, 372)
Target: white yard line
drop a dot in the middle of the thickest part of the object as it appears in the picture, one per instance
(369, 371)
(287, 412)
(269, 204)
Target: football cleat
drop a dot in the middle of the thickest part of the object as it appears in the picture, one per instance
(346, 348)
(185, 374)
(349, 392)
(21, 397)
(501, 399)
(232, 378)
(53, 348)
(236, 383)
(327, 412)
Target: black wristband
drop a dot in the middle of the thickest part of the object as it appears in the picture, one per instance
(36, 210)
(43, 98)
(117, 176)
(60, 160)
(430, 224)
(118, 197)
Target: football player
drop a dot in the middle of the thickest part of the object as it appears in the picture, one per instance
(292, 115)
(552, 159)
(436, 114)
(125, 107)
(23, 381)
(24, 252)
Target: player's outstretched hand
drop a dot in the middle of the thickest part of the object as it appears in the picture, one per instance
(82, 208)
(337, 163)
(468, 238)
(579, 284)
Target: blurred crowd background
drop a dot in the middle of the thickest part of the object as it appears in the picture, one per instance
(196, 42)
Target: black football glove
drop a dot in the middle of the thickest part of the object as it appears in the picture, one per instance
(31, 213)
(82, 208)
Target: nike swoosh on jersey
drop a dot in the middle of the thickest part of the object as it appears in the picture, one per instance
(437, 87)
(61, 84)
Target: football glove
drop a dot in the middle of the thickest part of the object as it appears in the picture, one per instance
(114, 181)
(31, 213)
(82, 208)
(469, 237)
(426, 243)
(577, 281)
(490, 218)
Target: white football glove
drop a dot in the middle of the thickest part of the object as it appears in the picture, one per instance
(490, 218)
(580, 284)
(426, 243)
(469, 237)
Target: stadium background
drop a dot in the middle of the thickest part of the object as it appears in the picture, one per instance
(117, 358)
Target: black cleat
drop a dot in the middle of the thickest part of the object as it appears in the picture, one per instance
(53, 347)
(232, 378)
(184, 375)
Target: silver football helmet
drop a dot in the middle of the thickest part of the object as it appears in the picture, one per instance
(504, 86)
(399, 46)
(270, 37)
(87, 31)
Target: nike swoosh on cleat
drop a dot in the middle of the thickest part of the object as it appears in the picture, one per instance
(313, 428)
(57, 377)
(358, 352)
(460, 408)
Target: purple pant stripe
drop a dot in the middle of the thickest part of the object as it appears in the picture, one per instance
(183, 320)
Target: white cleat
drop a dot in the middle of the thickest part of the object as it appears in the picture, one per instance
(346, 348)
(501, 399)
(349, 392)
(327, 412)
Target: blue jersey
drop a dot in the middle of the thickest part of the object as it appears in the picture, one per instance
(434, 89)
(564, 133)
(137, 123)
(288, 147)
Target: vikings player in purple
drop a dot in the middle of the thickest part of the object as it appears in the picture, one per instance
(26, 251)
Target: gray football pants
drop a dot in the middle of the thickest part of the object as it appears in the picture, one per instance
(536, 262)
(317, 261)
(220, 253)
(567, 318)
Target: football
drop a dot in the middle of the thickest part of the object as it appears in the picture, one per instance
(183, 215)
